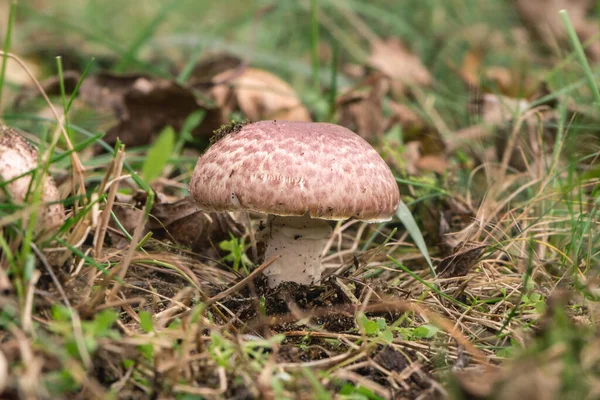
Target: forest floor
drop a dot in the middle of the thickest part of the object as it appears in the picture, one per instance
(483, 286)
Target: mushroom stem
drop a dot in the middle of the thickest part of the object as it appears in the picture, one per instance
(299, 241)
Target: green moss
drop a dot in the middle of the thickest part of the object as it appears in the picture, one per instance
(224, 130)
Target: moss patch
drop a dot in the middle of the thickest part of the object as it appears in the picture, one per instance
(224, 130)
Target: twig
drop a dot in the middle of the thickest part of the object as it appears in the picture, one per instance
(53, 276)
(241, 283)
(397, 305)
(28, 307)
(112, 193)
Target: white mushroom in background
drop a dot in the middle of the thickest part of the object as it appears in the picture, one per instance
(17, 157)
(300, 174)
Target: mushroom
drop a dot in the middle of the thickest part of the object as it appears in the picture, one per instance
(18, 157)
(300, 174)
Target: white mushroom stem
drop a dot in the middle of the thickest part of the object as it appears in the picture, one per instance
(299, 242)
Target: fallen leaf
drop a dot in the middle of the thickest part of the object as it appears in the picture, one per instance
(445, 222)
(404, 116)
(515, 81)
(424, 148)
(433, 163)
(544, 18)
(476, 382)
(392, 58)
(501, 113)
(410, 157)
(470, 69)
(495, 110)
(361, 109)
(258, 94)
(15, 73)
(459, 263)
(142, 106)
(185, 224)
(105, 92)
(51, 87)
(392, 360)
(180, 222)
(129, 216)
(17, 76)
(150, 106)
(210, 66)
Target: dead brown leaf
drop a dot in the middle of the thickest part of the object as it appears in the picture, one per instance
(210, 66)
(392, 58)
(180, 222)
(459, 263)
(544, 18)
(142, 105)
(185, 224)
(424, 149)
(477, 382)
(105, 92)
(51, 86)
(496, 110)
(361, 109)
(258, 94)
(511, 82)
(470, 68)
(404, 116)
(433, 163)
(414, 161)
(501, 114)
(410, 157)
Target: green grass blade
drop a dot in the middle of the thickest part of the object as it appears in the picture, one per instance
(426, 284)
(581, 56)
(145, 35)
(6, 48)
(334, 81)
(79, 82)
(187, 70)
(158, 155)
(314, 44)
(413, 230)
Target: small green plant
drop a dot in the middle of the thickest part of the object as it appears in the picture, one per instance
(509, 351)
(250, 354)
(158, 154)
(377, 328)
(534, 302)
(353, 392)
(426, 331)
(100, 327)
(80, 340)
(237, 253)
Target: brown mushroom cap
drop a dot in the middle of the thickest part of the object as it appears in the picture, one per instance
(291, 168)
(18, 157)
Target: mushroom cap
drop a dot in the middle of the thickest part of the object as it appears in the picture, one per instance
(18, 157)
(293, 168)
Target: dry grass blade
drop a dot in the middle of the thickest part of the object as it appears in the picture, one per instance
(117, 167)
(78, 169)
(459, 263)
(139, 293)
(248, 279)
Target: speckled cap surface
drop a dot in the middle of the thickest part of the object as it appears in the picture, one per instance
(291, 168)
(18, 157)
